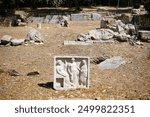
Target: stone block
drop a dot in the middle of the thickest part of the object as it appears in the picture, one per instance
(16, 42)
(55, 19)
(81, 17)
(144, 35)
(96, 16)
(112, 63)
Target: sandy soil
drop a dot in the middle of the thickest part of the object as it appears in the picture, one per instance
(129, 81)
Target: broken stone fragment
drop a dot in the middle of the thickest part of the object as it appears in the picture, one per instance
(123, 37)
(34, 35)
(16, 42)
(20, 23)
(5, 39)
(98, 34)
(120, 23)
(136, 11)
(13, 72)
(34, 73)
(83, 37)
(125, 18)
(120, 30)
(97, 60)
(55, 19)
(47, 18)
(101, 34)
(130, 29)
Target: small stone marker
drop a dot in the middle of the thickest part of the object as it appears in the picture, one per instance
(71, 72)
(39, 25)
(103, 24)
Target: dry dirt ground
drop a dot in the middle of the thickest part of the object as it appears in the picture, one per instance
(129, 81)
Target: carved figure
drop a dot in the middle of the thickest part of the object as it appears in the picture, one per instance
(61, 71)
(83, 73)
(73, 70)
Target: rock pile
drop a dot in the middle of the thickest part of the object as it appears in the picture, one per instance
(98, 34)
(33, 36)
(116, 30)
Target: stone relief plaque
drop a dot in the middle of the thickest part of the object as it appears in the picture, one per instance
(71, 72)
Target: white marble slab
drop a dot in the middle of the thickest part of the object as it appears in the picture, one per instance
(71, 72)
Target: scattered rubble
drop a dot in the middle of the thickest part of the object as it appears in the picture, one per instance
(116, 30)
(111, 63)
(33, 36)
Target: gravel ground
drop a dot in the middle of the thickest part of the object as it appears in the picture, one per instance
(129, 81)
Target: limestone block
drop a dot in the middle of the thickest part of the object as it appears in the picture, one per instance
(81, 17)
(144, 35)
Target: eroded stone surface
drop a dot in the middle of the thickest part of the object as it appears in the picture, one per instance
(71, 72)
(16, 42)
(34, 35)
(112, 63)
(81, 17)
(98, 34)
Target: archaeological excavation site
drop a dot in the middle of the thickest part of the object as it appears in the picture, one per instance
(74, 49)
